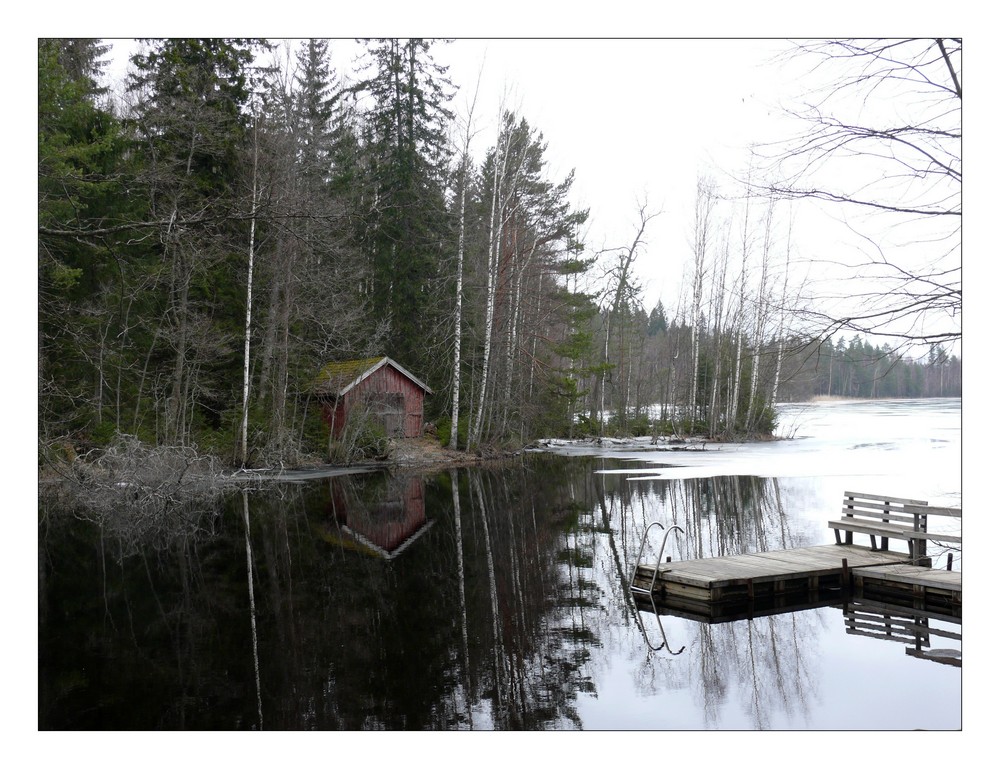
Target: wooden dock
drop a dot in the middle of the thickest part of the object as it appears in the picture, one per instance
(787, 578)
(755, 575)
(927, 587)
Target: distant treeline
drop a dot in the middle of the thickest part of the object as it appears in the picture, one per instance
(858, 369)
(656, 370)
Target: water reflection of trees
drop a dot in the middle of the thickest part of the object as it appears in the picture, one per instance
(760, 661)
(460, 631)
(503, 614)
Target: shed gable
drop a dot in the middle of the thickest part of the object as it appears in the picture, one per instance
(388, 393)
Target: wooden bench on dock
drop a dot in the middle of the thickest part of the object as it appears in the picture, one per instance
(893, 518)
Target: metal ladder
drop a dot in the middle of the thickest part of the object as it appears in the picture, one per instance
(659, 557)
(652, 583)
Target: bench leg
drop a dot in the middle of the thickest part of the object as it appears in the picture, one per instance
(872, 537)
(836, 533)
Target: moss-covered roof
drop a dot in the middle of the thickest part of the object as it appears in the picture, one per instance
(338, 377)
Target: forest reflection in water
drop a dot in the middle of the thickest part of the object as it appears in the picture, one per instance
(475, 599)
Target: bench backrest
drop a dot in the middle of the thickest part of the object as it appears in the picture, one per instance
(882, 508)
(870, 508)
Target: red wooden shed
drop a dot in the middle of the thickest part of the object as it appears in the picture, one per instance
(388, 393)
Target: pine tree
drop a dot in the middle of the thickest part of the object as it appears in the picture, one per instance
(315, 99)
(406, 230)
(81, 211)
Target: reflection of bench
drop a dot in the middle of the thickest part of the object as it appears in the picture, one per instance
(891, 518)
(911, 626)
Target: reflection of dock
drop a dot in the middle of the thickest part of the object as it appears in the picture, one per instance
(929, 633)
(729, 611)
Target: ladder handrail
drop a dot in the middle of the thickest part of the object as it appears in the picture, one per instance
(659, 557)
(642, 544)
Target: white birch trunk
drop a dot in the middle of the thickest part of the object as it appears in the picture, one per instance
(497, 222)
(457, 355)
(456, 368)
(761, 316)
(604, 370)
(494, 245)
(703, 208)
(246, 328)
(781, 317)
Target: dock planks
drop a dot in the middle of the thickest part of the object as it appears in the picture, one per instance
(912, 575)
(743, 576)
(929, 587)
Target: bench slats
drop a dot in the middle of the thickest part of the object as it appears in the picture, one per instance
(880, 516)
(879, 499)
(892, 518)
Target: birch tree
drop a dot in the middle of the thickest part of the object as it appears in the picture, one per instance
(463, 188)
(249, 303)
(190, 124)
(621, 300)
(498, 160)
(760, 312)
(531, 225)
(705, 200)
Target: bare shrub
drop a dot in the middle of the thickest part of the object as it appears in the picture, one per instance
(142, 493)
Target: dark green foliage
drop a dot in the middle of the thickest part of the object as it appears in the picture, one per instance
(81, 250)
(657, 321)
(443, 428)
(403, 225)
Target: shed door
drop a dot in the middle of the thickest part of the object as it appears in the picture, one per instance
(389, 410)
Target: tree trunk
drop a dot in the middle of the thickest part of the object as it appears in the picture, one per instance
(246, 327)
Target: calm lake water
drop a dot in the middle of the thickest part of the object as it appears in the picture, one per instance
(494, 598)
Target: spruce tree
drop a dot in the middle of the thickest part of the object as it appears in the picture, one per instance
(81, 267)
(405, 226)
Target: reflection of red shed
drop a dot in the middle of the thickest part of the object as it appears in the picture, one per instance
(384, 528)
(387, 392)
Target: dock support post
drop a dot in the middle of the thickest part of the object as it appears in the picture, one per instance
(844, 573)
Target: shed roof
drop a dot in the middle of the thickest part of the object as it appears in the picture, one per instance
(338, 377)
